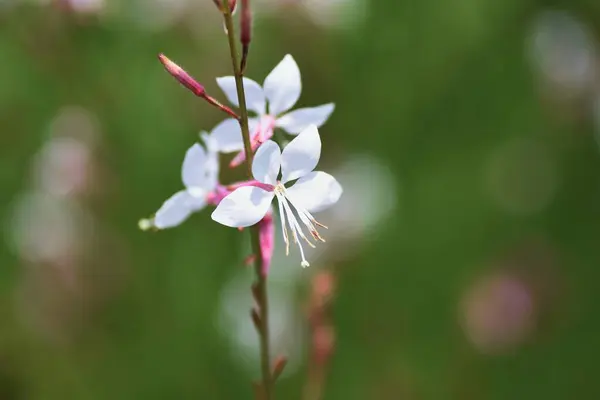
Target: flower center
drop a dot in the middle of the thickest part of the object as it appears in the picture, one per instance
(264, 129)
(279, 189)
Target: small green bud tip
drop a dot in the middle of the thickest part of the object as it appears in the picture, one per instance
(146, 224)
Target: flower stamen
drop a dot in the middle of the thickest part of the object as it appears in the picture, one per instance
(295, 222)
(307, 219)
(314, 221)
(283, 227)
(294, 226)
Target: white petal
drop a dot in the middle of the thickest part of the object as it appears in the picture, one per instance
(173, 211)
(301, 155)
(243, 207)
(209, 142)
(255, 97)
(296, 121)
(212, 172)
(267, 162)
(228, 136)
(212, 161)
(196, 199)
(283, 86)
(193, 171)
(315, 191)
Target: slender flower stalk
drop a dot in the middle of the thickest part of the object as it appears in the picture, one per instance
(260, 287)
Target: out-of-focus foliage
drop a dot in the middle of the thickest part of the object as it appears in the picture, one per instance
(466, 258)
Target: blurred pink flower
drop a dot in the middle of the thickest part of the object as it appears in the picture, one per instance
(498, 312)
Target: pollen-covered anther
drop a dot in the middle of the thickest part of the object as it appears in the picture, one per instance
(315, 234)
(314, 221)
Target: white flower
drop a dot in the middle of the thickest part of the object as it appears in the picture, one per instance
(371, 195)
(199, 173)
(270, 102)
(313, 190)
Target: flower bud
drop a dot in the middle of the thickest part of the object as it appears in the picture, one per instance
(246, 23)
(183, 77)
(245, 31)
(232, 6)
(186, 80)
(231, 3)
(278, 366)
(266, 234)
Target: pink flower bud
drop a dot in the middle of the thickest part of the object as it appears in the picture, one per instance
(186, 80)
(232, 5)
(246, 23)
(266, 230)
(245, 31)
(183, 77)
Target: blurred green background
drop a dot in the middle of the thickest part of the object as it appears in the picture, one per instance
(478, 280)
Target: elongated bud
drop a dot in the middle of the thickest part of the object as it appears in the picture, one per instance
(183, 77)
(266, 234)
(245, 22)
(186, 80)
(278, 366)
(245, 32)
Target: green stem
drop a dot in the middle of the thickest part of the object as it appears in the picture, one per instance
(239, 84)
(261, 279)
